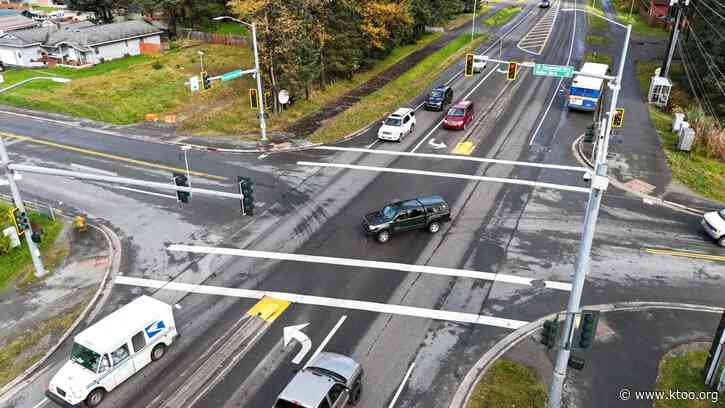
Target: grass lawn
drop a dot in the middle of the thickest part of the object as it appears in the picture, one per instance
(508, 384)
(703, 175)
(598, 57)
(47, 9)
(17, 266)
(123, 91)
(229, 27)
(639, 26)
(683, 372)
(502, 16)
(594, 39)
(397, 92)
(465, 18)
(15, 357)
(232, 115)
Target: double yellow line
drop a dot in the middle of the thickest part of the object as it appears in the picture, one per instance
(89, 152)
(685, 254)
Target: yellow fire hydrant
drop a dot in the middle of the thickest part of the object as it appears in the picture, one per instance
(79, 223)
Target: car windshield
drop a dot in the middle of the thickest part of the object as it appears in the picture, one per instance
(436, 94)
(722, 213)
(390, 211)
(285, 404)
(393, 121)
(85, 357)
(337, 377)
(455, 112)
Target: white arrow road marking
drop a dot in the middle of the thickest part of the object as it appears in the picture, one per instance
(435, 145)
(402, 310)
(362, 263)
(295, 332)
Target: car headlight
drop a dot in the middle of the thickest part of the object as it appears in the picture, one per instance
(371, 228)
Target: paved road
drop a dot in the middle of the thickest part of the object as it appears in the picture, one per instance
(502, 229)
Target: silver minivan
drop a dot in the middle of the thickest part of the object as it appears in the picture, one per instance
(330, 381)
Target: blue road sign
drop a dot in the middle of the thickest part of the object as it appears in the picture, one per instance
(231, 75)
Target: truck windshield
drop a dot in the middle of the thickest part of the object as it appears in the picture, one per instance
(285, 404)
(85, 357)
(390, 211)
(722, 213)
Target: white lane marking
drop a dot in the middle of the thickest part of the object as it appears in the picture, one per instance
(402, 384)
(363, 263)
(413, 311)
(419, 106)
(448, 175)
(455, 157)
(558, 86)
(93, 169)
(370, 146)
(145, 192)
(548, 24)
(441, 121)
(325, 341)
(42, 402)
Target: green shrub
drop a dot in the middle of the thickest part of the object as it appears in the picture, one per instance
(4, 244)
(157, 65)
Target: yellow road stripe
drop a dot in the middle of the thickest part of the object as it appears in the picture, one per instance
(465, 148)
(109, 156)
(686, 254)
(268, 308)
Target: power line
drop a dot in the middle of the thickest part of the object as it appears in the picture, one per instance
(709, 62)
(712, 26)
(686, 61)
(711, 9)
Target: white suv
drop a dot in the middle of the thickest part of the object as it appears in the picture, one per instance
(714, 224)
(479, 63)
(399, 124)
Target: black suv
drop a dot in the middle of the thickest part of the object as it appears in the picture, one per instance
(439, 97)
(417, 213)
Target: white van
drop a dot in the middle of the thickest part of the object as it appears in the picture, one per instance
(112, 350)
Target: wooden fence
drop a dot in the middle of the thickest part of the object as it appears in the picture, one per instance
(211, 38)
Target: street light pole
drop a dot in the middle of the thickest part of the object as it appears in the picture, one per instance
(473, 20)
(186, 148)
(258, 75)
(598, 186)
(34, 252)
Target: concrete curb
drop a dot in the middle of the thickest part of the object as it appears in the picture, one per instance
(576, 149)
(474, 375)
(114, 244)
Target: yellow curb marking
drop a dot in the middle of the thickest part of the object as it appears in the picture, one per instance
(686, 254)
(268, 308)
(465, 148)
(109, 156)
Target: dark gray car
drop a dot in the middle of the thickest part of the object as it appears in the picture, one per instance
(330, 381)
(417, 213)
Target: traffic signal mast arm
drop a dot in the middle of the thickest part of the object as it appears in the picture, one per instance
(530, 64)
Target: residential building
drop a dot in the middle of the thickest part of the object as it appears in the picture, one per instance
(78, 44)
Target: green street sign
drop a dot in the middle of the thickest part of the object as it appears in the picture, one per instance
(231, 75)
(559, 71)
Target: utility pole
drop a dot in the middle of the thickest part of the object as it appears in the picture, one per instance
(10, 174)
(599, 184)
(679, 8)
(473, 20)
(258, 75)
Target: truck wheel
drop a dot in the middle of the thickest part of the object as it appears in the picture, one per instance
(721, 241)
(434, 227)
(383, 236)
(95, 397)
(356, 393)
(158, 352)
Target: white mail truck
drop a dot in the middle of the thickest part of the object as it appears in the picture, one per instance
(107, 353)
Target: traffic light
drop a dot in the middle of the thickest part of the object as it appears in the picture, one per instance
(512, 70)
(618, 119)
(590, 133)
(587, 328)
(180, 180)
(469, 65)
(550, 333)
(20, 220)
(253, 99)
(205, 80)
(246, 189)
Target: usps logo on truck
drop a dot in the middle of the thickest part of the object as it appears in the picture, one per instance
(155, 328)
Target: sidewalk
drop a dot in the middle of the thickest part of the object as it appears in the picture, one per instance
(626, 353)
(637, 160)
(37, 318)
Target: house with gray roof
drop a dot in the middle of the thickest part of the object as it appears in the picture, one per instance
(15, 21)
(78, 44)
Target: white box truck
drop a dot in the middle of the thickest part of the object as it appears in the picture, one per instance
(107, 353)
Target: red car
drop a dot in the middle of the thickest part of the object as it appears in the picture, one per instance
(458, 115)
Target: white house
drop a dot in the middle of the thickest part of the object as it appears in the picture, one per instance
(80, 43)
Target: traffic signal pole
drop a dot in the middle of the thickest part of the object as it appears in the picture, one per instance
(9, 173)
(598, 186)
(258, 75)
